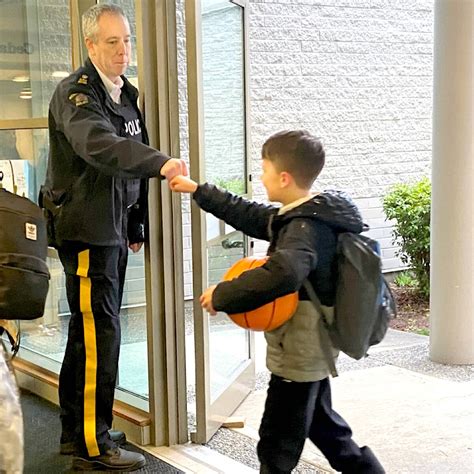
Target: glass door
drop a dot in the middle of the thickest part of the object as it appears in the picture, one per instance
(218, 154)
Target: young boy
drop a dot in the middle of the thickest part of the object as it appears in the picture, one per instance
(302, 235)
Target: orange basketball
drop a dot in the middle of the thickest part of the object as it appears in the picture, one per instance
(270, 315)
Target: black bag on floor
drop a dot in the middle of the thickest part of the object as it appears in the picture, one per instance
(24, 275)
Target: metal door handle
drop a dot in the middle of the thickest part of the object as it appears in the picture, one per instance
(232, 244)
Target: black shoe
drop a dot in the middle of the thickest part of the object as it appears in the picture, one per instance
(70, 447)
(367, 464)
(116, 459)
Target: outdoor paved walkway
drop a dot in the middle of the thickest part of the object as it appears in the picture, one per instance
(418, 416)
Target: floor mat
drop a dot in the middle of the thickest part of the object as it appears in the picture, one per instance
(42, 431)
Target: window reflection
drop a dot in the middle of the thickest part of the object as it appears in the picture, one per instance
(35, 54)
(223, 95)
(23, 159)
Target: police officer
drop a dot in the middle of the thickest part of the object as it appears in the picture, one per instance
(95, 197)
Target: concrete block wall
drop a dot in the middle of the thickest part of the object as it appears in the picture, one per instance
(356, 73)
(49, 27)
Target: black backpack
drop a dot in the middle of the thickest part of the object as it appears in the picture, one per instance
(364, 303)
(24, 275)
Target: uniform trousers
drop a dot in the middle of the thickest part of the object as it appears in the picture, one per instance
(295, 411)
(95, 278)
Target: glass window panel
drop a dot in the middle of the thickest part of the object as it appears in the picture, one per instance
(133, 362)
(225, 165)
(23, 159)
(35, 54)
(223, 95)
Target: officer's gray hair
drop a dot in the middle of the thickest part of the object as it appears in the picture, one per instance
(90, 19)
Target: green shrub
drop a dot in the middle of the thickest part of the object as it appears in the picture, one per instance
(405, 280)
(409, 205)
(236, 185)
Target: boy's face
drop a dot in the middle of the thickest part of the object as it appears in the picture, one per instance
(271, 180)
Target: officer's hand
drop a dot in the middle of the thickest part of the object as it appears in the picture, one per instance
(182, 184)
(206, 300)
(135, 247)
(174, 167)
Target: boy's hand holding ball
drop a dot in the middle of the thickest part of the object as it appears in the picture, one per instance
(206, 300)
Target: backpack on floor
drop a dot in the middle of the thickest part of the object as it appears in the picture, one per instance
(364, 303)
(24, 275)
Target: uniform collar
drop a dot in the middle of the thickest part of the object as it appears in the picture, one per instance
(113, 88)
(95, 80)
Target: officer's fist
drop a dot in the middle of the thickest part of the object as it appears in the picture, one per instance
(174, 167)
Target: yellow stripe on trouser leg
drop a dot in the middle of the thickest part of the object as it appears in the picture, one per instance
(90, 382)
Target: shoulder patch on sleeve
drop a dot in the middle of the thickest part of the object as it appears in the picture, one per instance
(79, 99)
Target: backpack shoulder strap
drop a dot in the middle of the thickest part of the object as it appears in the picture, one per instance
(324, 338)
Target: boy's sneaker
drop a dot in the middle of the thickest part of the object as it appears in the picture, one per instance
(115, 459)
(70, 447)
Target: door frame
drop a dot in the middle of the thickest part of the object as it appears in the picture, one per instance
(158, 81)
(209, 416)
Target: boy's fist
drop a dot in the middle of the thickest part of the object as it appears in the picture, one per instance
(182, 184)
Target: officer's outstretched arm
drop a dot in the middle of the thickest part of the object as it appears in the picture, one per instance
(92, 136)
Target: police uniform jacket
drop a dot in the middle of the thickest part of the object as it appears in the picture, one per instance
(302, 246)
(96, 186)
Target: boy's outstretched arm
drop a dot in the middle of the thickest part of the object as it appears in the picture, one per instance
(249, 217)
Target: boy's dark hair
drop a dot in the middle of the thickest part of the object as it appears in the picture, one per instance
(297, 152)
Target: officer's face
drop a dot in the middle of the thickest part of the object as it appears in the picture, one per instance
(111, 50)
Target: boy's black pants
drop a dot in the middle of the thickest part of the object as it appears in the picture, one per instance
(95, 277)
(295, 411)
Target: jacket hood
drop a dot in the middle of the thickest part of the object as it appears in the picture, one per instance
(334, 208)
